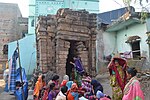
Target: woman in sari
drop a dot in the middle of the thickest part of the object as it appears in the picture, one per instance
(73, 92)
(86, 82)
(117, 69)
(65, 80)
(38, 87)
(96, 87)
(132, 90)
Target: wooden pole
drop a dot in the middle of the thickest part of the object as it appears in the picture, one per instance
(20, 70)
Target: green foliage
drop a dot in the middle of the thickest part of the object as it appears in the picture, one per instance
(144, 15)
(144, 12)
(127, 2)
(140, 1)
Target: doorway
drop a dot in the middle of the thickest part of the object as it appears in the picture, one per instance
(71, 53)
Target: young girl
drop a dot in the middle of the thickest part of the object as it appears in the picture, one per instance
(52, 93)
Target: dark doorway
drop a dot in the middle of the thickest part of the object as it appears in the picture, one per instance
(71, 54)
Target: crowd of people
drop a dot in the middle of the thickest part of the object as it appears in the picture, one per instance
(90, 89)
(125, 85)
(76, 86)
(123, 80)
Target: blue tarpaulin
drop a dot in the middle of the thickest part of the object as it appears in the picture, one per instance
(15, 76)
(18, 93)
(13, 72)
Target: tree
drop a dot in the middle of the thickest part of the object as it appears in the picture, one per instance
(144, 10)
(128, 2)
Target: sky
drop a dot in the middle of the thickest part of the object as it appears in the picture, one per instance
(108, 5)
(105, 5)
(23, 5)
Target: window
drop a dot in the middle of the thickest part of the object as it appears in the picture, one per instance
(32, 23)
(5, 49)
(135, 46)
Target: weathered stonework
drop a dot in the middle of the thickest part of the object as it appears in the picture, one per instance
(64, 35)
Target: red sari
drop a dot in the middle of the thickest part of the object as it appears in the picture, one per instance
(117, 77)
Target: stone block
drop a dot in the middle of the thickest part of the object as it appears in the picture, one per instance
(61, 61)
(63, 52)
(59, 41)
(61, 49)
(41, 28)
(51, 21)
(62, 56)
(51, 29)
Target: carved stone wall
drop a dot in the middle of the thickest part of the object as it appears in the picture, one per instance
(68, 33)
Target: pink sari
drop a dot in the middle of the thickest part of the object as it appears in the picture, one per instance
(132, 90)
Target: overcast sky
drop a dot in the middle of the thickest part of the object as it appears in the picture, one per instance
(105, 5)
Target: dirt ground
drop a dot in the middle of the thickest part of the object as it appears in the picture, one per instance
(2, 84)
(104, 80)
(145, 84)
(4, 95)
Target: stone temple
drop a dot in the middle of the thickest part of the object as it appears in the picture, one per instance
(62, 36)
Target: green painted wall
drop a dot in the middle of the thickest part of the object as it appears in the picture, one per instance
(32, 17)
(90, 5)
(44, 7)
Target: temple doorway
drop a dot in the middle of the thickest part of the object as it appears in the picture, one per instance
(72, 53)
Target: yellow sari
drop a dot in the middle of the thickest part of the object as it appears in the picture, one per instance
(117, 93)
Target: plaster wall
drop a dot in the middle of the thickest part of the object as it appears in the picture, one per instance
(138, 29)
(110, 44)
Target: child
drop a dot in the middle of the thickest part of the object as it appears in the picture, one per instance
(73, 94)
(52, 93)
(62, 94)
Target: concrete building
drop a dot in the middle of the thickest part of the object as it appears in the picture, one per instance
(126, 37)
(10, 21)
(104, 52)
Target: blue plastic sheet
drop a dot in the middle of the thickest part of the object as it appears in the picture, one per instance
(19, 92)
